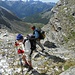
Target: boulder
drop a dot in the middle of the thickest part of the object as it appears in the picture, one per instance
(50, 44)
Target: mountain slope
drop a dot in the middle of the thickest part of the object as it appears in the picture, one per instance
(61, 31)
(11, 22)
(61, 26)
(42, 17)
(54, 60)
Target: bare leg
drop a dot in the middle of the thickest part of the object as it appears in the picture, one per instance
(24, 59)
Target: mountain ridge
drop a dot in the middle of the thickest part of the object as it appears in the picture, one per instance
(26, 8)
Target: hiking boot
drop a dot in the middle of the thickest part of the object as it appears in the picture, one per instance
(29, 69)
(26, 65)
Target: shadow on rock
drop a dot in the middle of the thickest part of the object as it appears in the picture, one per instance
(35, 72)
(43, 74)
(54, 58)
(50, 44)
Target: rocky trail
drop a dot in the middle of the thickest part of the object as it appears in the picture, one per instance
(53, 61)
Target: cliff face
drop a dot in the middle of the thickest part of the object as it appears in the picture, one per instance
(61, 27)
(61, 31)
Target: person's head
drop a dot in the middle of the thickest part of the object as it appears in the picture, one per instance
(19, 38)
(33, 27)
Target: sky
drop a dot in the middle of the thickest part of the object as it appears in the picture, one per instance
(40, 0)
(46, 0)
(49, 1)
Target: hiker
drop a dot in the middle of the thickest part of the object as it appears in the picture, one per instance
(36, 34)
(24, 48)
(32, 40)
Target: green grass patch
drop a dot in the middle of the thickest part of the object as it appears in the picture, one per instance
(66, 39)
(68, 64)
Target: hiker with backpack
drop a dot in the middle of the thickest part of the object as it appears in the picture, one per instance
(32, 40)
(24, 48)
(38, 36)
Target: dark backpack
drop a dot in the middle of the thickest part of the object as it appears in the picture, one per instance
(32, 40)
(41, 34)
